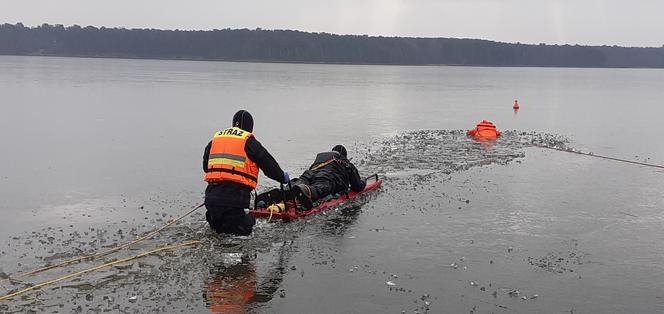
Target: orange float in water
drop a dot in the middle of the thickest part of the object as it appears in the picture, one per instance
(516, 104)
(484, 131)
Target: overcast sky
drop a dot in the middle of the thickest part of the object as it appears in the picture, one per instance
(595, 22)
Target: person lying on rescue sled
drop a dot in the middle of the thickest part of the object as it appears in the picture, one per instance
(330, 173)
(231, 162)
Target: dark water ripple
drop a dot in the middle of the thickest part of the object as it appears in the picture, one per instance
(445, 151)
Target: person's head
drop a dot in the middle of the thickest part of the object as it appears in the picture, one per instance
(243, 120)
(341, 150)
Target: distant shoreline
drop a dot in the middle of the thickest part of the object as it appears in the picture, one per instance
(295, 47)
(324, 63)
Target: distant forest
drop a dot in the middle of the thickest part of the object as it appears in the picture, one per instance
(296, 46)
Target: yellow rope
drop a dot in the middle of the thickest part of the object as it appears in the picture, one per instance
(321, 165)
(79, 273)
(600, 156)
(107, 252)
(275, 208)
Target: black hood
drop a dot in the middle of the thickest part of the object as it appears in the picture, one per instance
(341, 150)
(243, 120)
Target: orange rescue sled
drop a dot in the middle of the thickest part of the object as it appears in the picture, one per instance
(288, 211)
(484, 131)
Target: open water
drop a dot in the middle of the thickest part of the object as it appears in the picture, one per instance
(99, 151)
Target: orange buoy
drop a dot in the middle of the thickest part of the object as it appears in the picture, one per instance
(516, 104)
(484, 131)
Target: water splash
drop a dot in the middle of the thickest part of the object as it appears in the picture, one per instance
(424, 152)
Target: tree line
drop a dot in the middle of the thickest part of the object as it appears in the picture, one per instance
(297, 46)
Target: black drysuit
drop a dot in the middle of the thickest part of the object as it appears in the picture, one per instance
(226, 201)
(329, 174)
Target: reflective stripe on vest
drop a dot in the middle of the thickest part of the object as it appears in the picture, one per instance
(228, 161)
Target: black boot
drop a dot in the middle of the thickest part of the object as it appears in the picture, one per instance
(302, 193)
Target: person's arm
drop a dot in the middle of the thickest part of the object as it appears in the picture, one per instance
(356, 182)
(256, 152)
(206, 157)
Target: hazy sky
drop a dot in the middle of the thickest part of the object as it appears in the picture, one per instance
(621, 22)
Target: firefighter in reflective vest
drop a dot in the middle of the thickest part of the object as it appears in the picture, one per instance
(231, 162)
